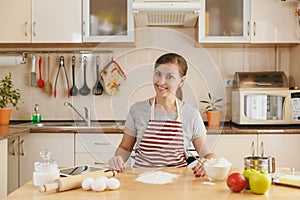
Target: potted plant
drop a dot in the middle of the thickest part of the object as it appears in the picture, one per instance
(9, 97)
(213, 110)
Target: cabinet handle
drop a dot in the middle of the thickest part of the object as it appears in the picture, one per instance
(22, 148)
(254, 28)
(101, 143)
(26, 28)
(248, 31)
(33, 28)
(83, 28)
(13, 143)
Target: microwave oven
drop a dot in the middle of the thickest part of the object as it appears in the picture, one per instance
(265, 106)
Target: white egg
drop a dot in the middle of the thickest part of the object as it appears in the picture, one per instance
(103, 178)
(99, 185)
(113, 183)
(86, 183)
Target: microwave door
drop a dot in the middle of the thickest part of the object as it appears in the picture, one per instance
(256, 107)
(275, 108)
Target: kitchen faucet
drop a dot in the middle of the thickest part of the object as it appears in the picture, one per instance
(87, 118)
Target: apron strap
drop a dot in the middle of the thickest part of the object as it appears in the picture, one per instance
(152, 110)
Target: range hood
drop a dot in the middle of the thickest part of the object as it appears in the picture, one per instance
(166, 13)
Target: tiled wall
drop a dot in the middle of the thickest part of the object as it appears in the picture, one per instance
(207, 69)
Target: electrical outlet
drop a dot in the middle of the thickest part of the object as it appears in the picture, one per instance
(228, 82)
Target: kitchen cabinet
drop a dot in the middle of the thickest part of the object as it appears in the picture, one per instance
(224, 21)
(3, 168)
(270, 21)
(14, 149)
(40, 21)
(103, 21)
(284, 147)
(56, 21)
(95, 149)
(255, 21)
(24, 150)
(15, 21)
(232, 147)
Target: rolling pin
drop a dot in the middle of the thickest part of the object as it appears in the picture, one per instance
(72, 182)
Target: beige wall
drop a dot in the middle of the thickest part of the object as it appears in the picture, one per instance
(294, 66)
(207, 69)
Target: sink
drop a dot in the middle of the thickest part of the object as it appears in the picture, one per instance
(77, 125)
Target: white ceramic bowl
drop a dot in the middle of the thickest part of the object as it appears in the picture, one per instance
(217, 169)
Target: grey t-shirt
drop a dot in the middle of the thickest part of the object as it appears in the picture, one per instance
(139, 115)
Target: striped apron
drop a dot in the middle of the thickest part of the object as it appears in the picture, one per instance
(162, 143)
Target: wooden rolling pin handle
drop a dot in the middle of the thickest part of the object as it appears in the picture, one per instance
(49, 187)
(72, 182)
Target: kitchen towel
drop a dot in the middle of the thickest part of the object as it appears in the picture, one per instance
(6, 61)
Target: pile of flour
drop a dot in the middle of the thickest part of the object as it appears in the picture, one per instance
(157, 177)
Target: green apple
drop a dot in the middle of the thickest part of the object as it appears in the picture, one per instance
(259, 182)
(247, 173)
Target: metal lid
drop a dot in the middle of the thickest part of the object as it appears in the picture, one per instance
(267, 79)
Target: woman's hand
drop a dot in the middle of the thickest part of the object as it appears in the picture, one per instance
(199, 169)
(117, 163)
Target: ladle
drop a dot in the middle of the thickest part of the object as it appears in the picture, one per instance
(84, 90)
(74, 90)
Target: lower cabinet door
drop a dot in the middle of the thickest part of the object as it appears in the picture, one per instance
(99, 160)
(232, 147)
(60, 145)
(283, 147)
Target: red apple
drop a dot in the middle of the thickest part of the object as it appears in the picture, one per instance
(236, 182)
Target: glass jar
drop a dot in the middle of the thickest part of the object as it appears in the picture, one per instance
(46, 171)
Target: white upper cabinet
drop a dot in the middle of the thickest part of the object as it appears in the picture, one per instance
(15, 21)
(224, 21)
(245, 21)
(57, 21)
(40, 21)
(274, 22)
(107, 21)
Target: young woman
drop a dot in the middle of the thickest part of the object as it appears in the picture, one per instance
(161, 128)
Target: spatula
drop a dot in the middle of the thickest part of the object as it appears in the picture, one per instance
(40, 81)
(98, 89)
(48, 85)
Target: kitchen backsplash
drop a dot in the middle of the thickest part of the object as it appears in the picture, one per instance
(208, 67)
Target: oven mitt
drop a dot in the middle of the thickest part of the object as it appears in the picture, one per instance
(113, 77)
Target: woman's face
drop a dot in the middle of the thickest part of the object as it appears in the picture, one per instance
(167, 79)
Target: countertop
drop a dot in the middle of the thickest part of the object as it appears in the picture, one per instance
(186, 186)
(7, 131)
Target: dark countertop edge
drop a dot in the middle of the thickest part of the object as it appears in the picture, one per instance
(224, 129)
(6, 133)
(74, 130)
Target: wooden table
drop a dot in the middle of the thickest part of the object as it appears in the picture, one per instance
(186, 186)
